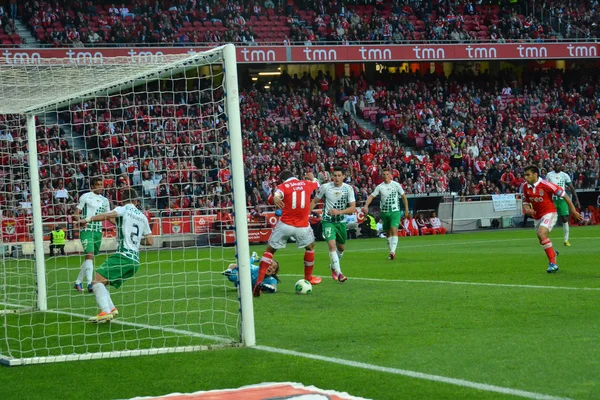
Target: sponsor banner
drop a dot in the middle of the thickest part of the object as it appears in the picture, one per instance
(262, 391)
(504, 202)
(448, 52)
(203, 223)
(176, 225)
(254, 236)
(319, 54)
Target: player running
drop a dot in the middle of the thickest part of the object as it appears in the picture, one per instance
(90, 204)
(292, 196)
(339, 201)
(563, 180)
(537, 203)
(134, 230)
(390, 192)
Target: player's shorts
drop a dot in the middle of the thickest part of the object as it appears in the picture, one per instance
(118, 268)
(562, 208)
(390, 219)
(547, 221)
(334, 231)
(282, 232)
(91, 241)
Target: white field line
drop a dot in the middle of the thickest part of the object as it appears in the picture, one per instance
(339, 361)
(434, 244)
(413, 374)
(136, 325)
(508, 285)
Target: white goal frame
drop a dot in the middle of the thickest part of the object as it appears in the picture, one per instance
(15, 105)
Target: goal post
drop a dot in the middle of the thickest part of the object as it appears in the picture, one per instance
(169, 125)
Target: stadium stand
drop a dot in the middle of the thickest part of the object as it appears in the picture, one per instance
(181, 22)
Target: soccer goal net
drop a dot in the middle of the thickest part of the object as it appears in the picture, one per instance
(168, 128)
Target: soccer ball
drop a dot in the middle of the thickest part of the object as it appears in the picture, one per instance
(303, 287)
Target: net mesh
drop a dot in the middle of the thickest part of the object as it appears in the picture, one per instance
(160, 128)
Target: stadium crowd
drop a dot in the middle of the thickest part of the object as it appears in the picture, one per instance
(84, 22)
(468, 134)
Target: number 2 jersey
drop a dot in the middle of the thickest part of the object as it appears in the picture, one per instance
(132, 225)
(539, 196)
(296, 199)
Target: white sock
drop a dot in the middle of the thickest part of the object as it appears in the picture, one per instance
(566, 231)
(389, 240)
(102, 297)
(340, 255)
(89, 270)
(111, 305)
(394, 244)
(335, 261)
(81, 272)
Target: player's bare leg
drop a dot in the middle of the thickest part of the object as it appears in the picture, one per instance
(546, 244)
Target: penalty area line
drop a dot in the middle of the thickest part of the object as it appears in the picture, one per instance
(414, 374)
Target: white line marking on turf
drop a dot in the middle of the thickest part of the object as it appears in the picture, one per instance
(136, 325)
(413, 374)
(417, 246)
(510, 285)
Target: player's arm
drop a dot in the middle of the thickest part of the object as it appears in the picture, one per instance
(527, 209)
(572, 189)
(572, 208)
(278, 199)
(405, 202)
(365, 209)
(318, 196)
(79, 208)
(111, 215)
(147, 240)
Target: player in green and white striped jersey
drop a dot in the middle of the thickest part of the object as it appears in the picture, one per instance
(562, 179)
(133, 230)
(90, 204)
(390, 192)
(339, 201)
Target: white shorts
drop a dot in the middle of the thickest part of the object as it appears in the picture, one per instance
(282, 232)
(547, 221)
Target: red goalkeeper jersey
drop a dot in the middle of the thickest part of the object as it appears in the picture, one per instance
(296, 200)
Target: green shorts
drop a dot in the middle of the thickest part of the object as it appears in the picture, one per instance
(334, 231)
(562, 208)
(117, 268)
(390, 220)
(91, 241)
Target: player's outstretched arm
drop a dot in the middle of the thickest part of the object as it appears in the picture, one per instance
(100, 217)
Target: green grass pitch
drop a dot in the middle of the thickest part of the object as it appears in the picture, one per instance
(475, 307)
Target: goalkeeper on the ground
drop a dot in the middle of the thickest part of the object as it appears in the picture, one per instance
(269, 285)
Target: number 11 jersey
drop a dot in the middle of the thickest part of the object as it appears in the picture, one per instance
(296, 199)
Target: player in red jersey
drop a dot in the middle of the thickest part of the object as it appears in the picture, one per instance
(538, 203)
(292, 196)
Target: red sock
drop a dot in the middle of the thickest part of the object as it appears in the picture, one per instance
(265, 263)
(547, 246)
(309, 263)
